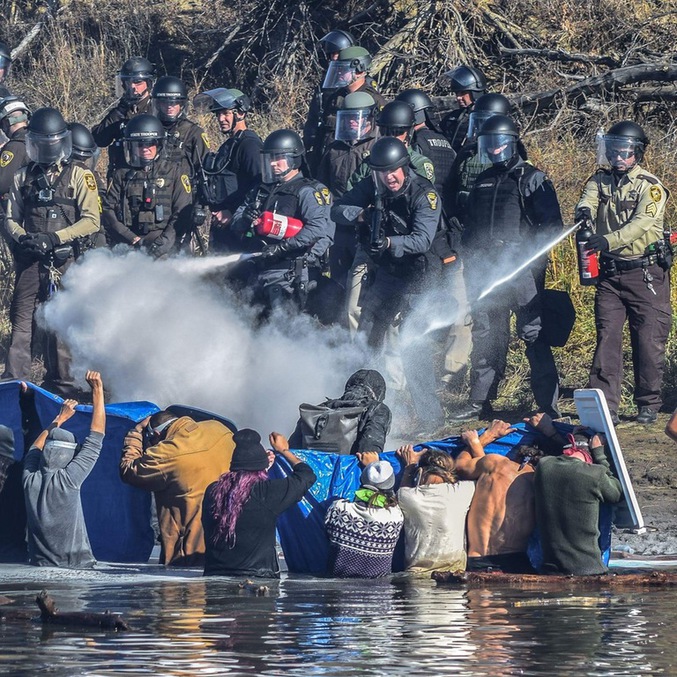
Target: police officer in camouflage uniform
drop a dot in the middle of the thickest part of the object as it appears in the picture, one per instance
(133, 86)
(625, 204)
(398, 214)
(51, 213)
(345, 75)
(226, 176)
(512, 212)
(286, 265)
(14, 116)
(148, 201)
(467, 84)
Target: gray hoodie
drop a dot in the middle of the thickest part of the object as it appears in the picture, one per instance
(57, 535)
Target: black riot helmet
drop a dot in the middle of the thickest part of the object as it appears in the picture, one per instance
(134, 70)
(388, 153)
(336, 40)
(467, 79)
(282, 145)
(497, 141)
(141, 133)
(84, 146)
(5, 61)
(418, 100)
(485, 107)
(624, 145)
(48, 139)
(170, 98)
(396, 118)
(215, 100)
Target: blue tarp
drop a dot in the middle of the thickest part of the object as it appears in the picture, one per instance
(118, 515)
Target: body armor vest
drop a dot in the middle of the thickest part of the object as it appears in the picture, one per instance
(49, 204)
(438, 150)
(469, 167)
(177, 146)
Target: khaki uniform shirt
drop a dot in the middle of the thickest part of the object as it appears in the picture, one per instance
(628, 210)
(84, 191)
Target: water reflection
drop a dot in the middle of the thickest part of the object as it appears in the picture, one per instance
(305, 626)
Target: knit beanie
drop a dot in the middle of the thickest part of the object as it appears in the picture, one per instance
(249, 453)
(378, 475)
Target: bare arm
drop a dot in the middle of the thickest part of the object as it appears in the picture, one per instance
(280, 445)
(98, 424)
(467, 461)
(67, 411)
(409, 459)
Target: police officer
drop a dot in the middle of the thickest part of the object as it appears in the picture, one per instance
(398, 214)
(14, 116)
(225, 177)
(467, 83)
(133, 86)
(512, 212)
(346, 74)
(148, 201)
(626, 206)
(286, 262)
(51, 212)
(5, 61)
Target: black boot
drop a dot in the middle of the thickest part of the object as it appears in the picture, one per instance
(472, 411)
(646, 415)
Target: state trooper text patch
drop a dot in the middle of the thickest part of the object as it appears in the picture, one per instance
(6, 157)
(655, 193)
(90, 181)
(432, 199)
(186, 182)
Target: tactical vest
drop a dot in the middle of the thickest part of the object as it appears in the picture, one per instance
(49, 206)
(455, 127)
(469, 167)
(146, 198)
(438, 150)
(176, 148)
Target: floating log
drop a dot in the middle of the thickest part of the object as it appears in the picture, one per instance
(654, 579)
(49, 613)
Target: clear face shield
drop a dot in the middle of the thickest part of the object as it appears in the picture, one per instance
(132, 88)
(353, 124)
(141, 152)
(496, 148)
(275, 166)
(390, 180)
(339, 74)
(168, 109)
(475, 121)
(49, 149)
(618, 152)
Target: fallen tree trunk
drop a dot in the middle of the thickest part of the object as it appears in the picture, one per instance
(49, 614)
(654, 579)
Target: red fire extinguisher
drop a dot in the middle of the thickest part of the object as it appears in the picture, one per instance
(276, 226)
(588, 265)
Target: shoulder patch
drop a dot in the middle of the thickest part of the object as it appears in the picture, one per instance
(90, 181)
(655, 193)
(651, 209)
(429, 170)
(205, 139)
(6, 157)
(319, 196)
(432, 199)
(186, 183)
(327, 195)
(160, 183)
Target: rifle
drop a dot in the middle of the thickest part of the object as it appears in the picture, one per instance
(376, 235)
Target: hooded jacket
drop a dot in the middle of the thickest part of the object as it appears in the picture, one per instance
(57, 534)
(178, 470)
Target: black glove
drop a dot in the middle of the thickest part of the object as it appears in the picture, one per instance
(125, 105)
(583, 214)
(272, 252)
(377, 248)
(39, 244)
(597, 243)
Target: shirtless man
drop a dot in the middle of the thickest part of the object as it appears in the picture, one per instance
(502, 514)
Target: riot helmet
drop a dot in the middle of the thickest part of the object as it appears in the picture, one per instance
(48, 139)
(623, 145)
(467, 79)
(419, 101)
(133, 72)
(84, 146)
(485, 107)
(12, 111)
(5, 61)
(170, 99)
(497, 140)
(281, 154)
(355, 118)
(143, 140)
(334, 41)
(396, 118)
(215, 100)
(351, 64)
(388, 155)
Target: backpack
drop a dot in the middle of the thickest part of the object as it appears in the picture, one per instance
(332, 430)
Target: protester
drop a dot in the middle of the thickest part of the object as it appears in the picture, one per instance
(364, 531)
(435, 505)
(181, 458)
(569, 490)
(240, 509)
(54, 470)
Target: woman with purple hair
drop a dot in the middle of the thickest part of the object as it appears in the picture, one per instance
(240, 509)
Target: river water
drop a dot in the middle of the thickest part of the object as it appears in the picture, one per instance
(183, 624)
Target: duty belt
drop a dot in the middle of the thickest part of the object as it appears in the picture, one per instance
(611, 264)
